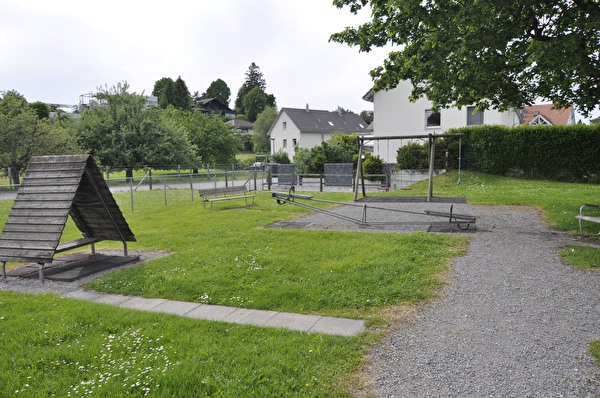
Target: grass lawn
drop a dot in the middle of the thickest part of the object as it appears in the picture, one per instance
(225, 256)
(52, 346)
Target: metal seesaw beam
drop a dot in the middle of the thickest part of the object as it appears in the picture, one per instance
(458, 219)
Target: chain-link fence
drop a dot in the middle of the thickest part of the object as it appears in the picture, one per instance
(263, 178)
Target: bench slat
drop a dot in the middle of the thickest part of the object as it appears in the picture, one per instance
(74, 244)
(229, 197)
(589, 218)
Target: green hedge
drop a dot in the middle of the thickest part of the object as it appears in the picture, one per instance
(561, 153)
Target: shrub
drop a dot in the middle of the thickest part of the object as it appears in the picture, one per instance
(373, 165)
(561, 153)
(280, 157)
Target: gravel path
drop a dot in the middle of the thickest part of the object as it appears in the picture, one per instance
(514, 321)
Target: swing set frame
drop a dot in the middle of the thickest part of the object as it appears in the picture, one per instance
(360, 141)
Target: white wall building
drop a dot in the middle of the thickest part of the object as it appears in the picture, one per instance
(309, 127)
(395, 115)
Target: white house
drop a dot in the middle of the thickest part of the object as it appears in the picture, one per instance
(395, 115)
(307, 128)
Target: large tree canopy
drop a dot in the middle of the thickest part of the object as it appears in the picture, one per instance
(254, 78)
(260, 138)
(171, 92)
(493, 53)
(125, 132)
(219, 90)
(24, 134)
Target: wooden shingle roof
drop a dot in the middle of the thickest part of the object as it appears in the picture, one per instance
(54, 188)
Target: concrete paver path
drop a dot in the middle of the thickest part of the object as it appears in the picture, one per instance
(297, 322)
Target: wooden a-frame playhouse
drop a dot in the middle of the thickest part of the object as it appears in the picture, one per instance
(54, 188)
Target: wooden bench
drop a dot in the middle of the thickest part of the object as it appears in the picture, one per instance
(74, 244)
(212, 195)
(581, 217)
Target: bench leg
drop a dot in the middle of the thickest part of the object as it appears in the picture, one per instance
(3, 271)
(41, 271)
(93, 248)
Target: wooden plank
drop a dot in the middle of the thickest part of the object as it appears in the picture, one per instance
(40, 212)
(229, 197)
(74, 244)
(589, 218)
(45, 197)
(56, 166)
(41, 204)
(52, 174)
(54, 228)
(222, 191)
(30, 235)
(26, 255)
(36, 220)
(44, 181)
(26, 245)
(37, 189)
(58, 159)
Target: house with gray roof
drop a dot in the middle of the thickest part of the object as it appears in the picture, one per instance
(307, 128)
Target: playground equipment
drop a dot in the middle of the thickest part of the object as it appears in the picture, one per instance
(462, 221)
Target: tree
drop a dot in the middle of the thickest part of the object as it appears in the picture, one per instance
(219, 90)
(163, 90)
(42, 110)
(254, 103)
(367, 116)
(171, 92)
(214, 141)
(23, 134)
(181, 95)
(494, 53)
(124, 132)
(260, 138)
(254, 78)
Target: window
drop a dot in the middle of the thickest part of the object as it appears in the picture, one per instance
(474, 119)
(432, 119)
(284, 143)
(294, 142)
(284, 126)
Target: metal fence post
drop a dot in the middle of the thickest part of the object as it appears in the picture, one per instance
(320, 182)
(131, 190)
(192, 184)
(165, 187)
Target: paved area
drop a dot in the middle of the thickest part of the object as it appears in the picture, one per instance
(297, 322)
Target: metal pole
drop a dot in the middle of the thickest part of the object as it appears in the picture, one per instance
(431, 160)
(358, 167)
(165, 188)
(192, 184)
(459, 150)
(3, 271)
(131, 189)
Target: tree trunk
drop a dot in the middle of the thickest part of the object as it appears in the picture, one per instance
(15, 175)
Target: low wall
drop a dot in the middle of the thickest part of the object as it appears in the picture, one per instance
(404, 178)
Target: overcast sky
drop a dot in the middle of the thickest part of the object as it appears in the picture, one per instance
(53, 51)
